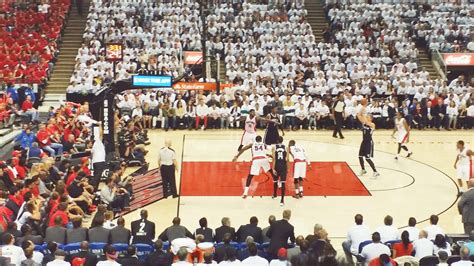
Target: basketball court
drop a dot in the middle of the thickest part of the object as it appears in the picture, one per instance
(210, 184)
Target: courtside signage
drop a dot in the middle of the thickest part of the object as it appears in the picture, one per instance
(198, 86)
(151, 81)
(459, 59)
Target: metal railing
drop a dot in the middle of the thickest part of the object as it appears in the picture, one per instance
(437, 58)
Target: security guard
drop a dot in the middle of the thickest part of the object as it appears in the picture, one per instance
(168, 167)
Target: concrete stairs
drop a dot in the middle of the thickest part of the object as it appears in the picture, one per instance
(71, 42)
(222, 70)
(316, 18)
(8, 135)
(425, 61)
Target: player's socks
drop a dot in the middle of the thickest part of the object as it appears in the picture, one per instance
(246, 192)
(361, 162)
(283, 194)
(249, 181)
(275, 187)
(372, 165)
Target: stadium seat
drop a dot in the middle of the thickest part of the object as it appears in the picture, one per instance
(429, 261)
(263, 246)
(363, 244)
(72, 248)
(392, 242)
(120, 247)
(453, 259)
(235, 245)
(33, 160)
(166, 245)
(97, 248)
(41, 248)
(143, 250)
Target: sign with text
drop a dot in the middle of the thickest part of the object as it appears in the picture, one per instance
(189, 86)
(192, 58)
(114, 52)
(459, 59)
(151, 81)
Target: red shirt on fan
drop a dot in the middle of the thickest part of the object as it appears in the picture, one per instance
(43, 137)
(63, 215)
(26, 105)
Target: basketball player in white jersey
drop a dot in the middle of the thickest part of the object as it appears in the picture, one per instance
(301, 163)
(250, 129)
(259, 161)
(403, 134)
(463, 164)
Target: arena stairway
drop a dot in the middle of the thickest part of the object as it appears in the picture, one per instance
(71, 42)
(425, 61)
(316, 18)
(7, 136)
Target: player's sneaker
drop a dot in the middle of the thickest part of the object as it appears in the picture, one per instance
(376, 174)
(282, 204)
(274, 197)
(297, 196)
(363, 172)
(396, 157)
(409, 154)
(244, 196)
(301, 194)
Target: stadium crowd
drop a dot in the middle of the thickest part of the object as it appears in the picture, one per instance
(369, 52)
(274, 61)
(446, 27)
(29, 36)
(154, 36)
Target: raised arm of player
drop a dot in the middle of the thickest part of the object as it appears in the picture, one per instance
(241, 151)
(361, 116)
(267, 120)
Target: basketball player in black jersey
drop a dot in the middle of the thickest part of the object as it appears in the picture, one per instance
(367, 146)
(280, 168)
(271, 132)
(143, 231)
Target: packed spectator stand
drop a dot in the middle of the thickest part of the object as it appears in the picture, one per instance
(446, 27)
(271, 56)
(29, 38)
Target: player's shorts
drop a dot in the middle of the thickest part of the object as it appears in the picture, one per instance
(259, 164)
(299, 170)
(281, 173)
(402, 138)
(464, 172)
(248, 138)
(366, 149)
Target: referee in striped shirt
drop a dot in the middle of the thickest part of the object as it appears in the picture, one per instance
(168, 168)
